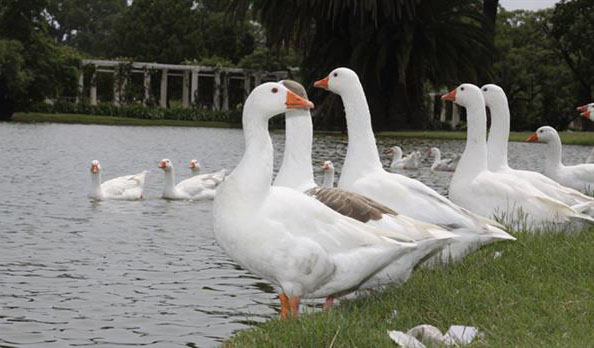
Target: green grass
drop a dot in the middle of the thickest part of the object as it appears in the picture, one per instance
(572, 138)
(35, 117)
(539, 293)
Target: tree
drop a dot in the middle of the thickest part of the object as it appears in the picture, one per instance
(13, 78)
(394, 46)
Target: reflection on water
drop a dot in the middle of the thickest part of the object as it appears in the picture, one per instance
(74, 272)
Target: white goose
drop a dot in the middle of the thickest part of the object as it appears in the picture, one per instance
(590, 158)
(127, 187)
(496, 101)
(363, 173)
(442, 165)
(398, 162)
(579, 177)
(189, 189)
(297, 243)
(328, 168)
(296, 173)
(587, 111)
(210, 180)
(489, 193)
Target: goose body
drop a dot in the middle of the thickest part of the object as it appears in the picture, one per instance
(362, 173)
(489, 193)
(442, 165)
(496, 101)
(411, 161)
(128, 187)
(296, 173)
(579, 177)
(193, 188)
(210, 180)
(297, 243)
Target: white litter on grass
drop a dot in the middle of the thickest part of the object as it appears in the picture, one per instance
(457, 335)
(497, 255)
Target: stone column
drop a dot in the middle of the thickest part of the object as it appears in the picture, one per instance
(186, 89)
(93, 88)
(81, 85)
(257, 79)
(442, 114)
(217, 91)
(455, 115)
(246, 85)
(116, 87)
(147, 87)
(194, 88)
(226, 91)
(163, 100)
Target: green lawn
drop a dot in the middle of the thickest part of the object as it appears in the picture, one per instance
(35, 117)
(539, 293)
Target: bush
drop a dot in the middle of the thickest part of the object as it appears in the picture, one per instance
(136, 111)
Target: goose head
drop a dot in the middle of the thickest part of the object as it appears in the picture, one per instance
(434, 151)
(493, 94)
(464, 95)
(338, 81)
(587, 111)
(543, 134)
(394, 150)
(273, 98)
(95, 167)
(194, 165)
(166, 165)
(328, 167)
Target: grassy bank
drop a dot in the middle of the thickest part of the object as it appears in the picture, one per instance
(539, 293)
(573, 138)
(35, 117)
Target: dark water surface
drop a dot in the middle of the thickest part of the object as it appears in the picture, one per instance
(147, 273)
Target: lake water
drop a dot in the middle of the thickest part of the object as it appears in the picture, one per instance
(148, 273)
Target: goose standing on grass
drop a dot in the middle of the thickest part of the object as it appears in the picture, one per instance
(127, 187)
(488, 193)
(189, 189)
(398, 162)
(579, 176)
(363, 173)
(442, 165)
(296, 172)
(328, 168)
(304, 248)
(496, 101)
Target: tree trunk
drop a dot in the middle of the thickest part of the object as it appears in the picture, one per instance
(490, 11)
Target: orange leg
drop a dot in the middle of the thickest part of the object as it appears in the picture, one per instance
(329, 303)
(285, 309)
(294, 302)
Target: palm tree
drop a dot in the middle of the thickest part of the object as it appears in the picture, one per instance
(394, 45)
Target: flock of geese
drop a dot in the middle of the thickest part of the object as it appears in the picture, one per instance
(376, 226)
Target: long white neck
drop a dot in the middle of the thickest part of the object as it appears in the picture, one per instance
(397, 156)
(474, 158)
(328, 178)
(96, 190)
(437, 157)
(553, 153)
(253, 175)
(195, 171)
(498, 135)
(169, 181)
(362, 156)
(296, 170)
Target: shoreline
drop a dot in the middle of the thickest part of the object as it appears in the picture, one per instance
(567, 137)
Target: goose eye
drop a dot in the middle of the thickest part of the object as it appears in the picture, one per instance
(485, 89)
(335, 74)
(461, 88)
(274, 90)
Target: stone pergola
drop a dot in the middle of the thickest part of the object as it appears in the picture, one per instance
(189, 74)
(443, 115)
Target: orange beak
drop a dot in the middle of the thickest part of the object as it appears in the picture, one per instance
(162, 165)
(533, 138)
(388, 151)
(192, 165)
(296, 102)
(582, 108)
(323, 83)
(325, 167)
(451, 95)
(586, 114)
(94, 168)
